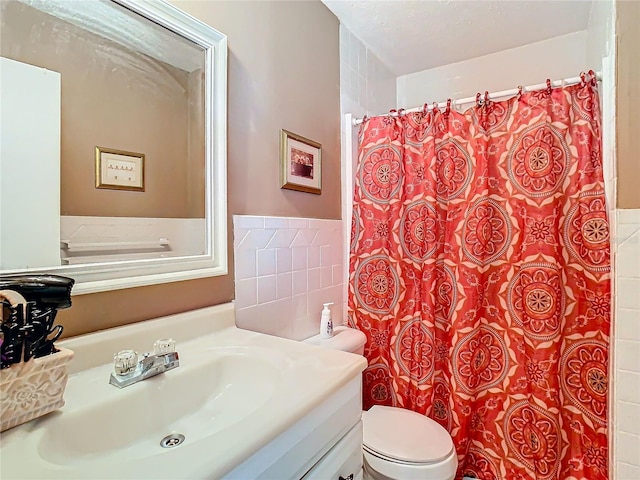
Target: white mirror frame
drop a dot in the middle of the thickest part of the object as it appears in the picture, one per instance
(98, 277)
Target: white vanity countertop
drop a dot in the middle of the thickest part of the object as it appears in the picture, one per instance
(233, 393)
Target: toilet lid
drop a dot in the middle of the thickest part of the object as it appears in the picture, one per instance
(404, 435)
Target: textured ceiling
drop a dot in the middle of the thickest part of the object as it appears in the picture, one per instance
(409, 36)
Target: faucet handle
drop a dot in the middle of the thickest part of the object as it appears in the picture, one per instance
(125, 361)
(164, 345)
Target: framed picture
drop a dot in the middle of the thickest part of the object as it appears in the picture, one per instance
(300, 163)
(119, 170)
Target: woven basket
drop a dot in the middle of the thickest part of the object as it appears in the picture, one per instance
(31, 389)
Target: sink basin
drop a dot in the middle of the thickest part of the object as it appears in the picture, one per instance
(233, 393)
(219, 392)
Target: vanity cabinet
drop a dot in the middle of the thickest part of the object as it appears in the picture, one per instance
(343, 461)
(324, 445)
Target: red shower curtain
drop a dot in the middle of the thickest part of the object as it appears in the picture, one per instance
(479, 272)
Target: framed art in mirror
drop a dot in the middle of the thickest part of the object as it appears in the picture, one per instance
(119, 170)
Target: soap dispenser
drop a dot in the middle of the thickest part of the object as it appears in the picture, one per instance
(326, 325)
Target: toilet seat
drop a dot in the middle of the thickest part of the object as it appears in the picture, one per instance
(403, 436)
(391, 459)
(376, 468)
(402, 444)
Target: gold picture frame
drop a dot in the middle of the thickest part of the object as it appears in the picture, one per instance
(300, 163)
(119, 170)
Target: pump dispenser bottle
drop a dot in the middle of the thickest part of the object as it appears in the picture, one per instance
(326, 325)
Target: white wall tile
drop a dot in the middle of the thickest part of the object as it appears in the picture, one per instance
(362, 58)
(248, 221)
(627, 324)
(313, 257)
(628, 355)
(299, 282)
(245, 265)
(276, 222)
(283, 260)
(326, 277)
(626, 230)
(239, 234)
(628, 417)
(282, 238)
(353, 52)
(323, 237)
(246, 318)
(271, 318)
(354, 77)
(246, 292)
(624, 471)
(284, 286)
(266, 289)
(285, 280)
(631, 215)
(300, 303)
(627, 386)
(298, 223)
(630, 252)
(298, 258)
(628, 448)
(266, 262)
(320, 224)
(338, 274)
(326, 256)
(628, 293)
(313, 279)
(304, 237)
(256, 239)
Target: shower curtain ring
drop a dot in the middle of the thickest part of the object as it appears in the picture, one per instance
(486, 97)
(478, 101)
(549, 86)
(520, 91)
(594, 78)
(448, 110)
(425, 108)
(583, 79)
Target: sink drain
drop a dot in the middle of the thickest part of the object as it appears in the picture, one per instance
(172, 440)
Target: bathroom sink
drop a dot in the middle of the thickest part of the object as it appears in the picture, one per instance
(233, 393)
(219, 392)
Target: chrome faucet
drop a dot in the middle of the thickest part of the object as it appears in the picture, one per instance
(128, 370)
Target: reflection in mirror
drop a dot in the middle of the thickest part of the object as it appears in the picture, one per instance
(104, 154)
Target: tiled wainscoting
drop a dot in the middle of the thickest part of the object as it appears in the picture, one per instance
(626, 381)
(285, 269)
(99, 239)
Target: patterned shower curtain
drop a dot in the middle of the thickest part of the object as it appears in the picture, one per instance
(479, 272)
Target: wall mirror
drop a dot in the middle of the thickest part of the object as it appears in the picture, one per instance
(113, 142)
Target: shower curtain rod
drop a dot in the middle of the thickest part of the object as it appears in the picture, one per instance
(491, 96)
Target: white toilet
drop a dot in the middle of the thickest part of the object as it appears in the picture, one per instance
(398, 444)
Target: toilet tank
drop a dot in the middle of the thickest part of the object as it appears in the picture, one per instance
(344, 338)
